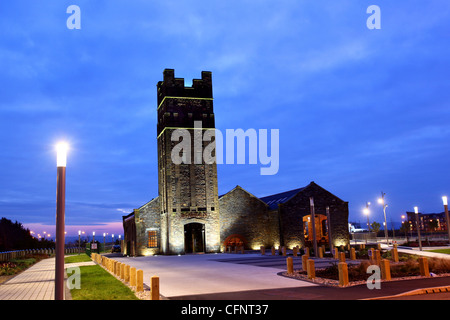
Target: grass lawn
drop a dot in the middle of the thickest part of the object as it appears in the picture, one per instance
(77, 258)
(446, 251)
(99, 284)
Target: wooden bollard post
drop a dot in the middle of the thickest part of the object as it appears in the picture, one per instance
(320, 252)
(352, 254)
(290, 265)
(371, 255)
(343, 274)
(139, 281)
(307, 251)
(423, 265)
(385, 270)
(341, 256)
(154, 288)
(377, 257)
(127, 273)
(122, 271)
(311, 269)
(305, 262)
(263, 250)
(283, 251)
(336, 253)
(379, 246)
(394, 254)
(273, 250)
(294, 251)
(132, 277)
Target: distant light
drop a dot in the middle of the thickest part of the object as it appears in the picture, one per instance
(380, 201)
(93, 233)
(79, 232)
(61, 154)
(444, 200)
(416, 210)
(366, 211)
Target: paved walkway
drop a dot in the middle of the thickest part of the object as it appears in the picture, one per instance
(219, 277)
(35, 283)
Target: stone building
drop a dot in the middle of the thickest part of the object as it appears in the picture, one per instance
(188, 216)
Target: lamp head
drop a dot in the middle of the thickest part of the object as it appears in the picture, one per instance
(416, 210)
(61, 154)
(444, 200)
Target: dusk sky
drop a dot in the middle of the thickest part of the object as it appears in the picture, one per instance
(359, 111)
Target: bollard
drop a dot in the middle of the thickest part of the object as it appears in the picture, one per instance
(394, 254)
(294, 251)
(385, 270)
(336, 253)
(122, 271)
(307, 251)
(379, 246)
(273, 251)
(133, 277)
(352, 254)
(320, 252)
(341, 256)
(377, 257)
(263, 250)
(305, 262)
(139, 281)
(283, 251)
(371, 253)
(311, 269)
(127, 273)
(423, 265)
(290, 265)
(154, 293)
(343, 274)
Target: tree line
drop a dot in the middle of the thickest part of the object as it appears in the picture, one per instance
(13, 236)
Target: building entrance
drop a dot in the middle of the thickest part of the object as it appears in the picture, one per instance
(194, 237)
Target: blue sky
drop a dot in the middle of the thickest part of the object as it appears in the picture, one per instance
(359, 111)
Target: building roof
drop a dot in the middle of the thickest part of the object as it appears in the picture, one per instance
(273, 200)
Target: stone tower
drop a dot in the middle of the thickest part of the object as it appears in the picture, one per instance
(187, 191)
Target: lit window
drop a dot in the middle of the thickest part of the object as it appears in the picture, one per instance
(152, 239)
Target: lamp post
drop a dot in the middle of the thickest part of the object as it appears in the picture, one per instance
(445, 201)
(313, 218)
(79, 241)
(112, 236)
(61, 159)
(327, 210)
(381, 201)
(104, 241)
(416, 210)
(366, 211)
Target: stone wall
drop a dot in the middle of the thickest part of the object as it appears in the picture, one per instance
(243, 214)
(293, 211)
(147, 218)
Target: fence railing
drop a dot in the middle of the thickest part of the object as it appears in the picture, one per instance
(10, 255)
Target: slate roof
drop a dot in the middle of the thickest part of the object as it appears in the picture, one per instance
(273, 200)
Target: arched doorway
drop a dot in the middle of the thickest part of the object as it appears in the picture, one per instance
(235, 240)
(194, 237)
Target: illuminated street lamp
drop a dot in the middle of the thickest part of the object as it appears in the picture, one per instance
(416, 210)
(104, 241)
(93, 236)
(61, 159)
(381, 201)
(79, 241)
(445, 201)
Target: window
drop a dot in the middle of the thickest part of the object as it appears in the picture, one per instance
(152, 239)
